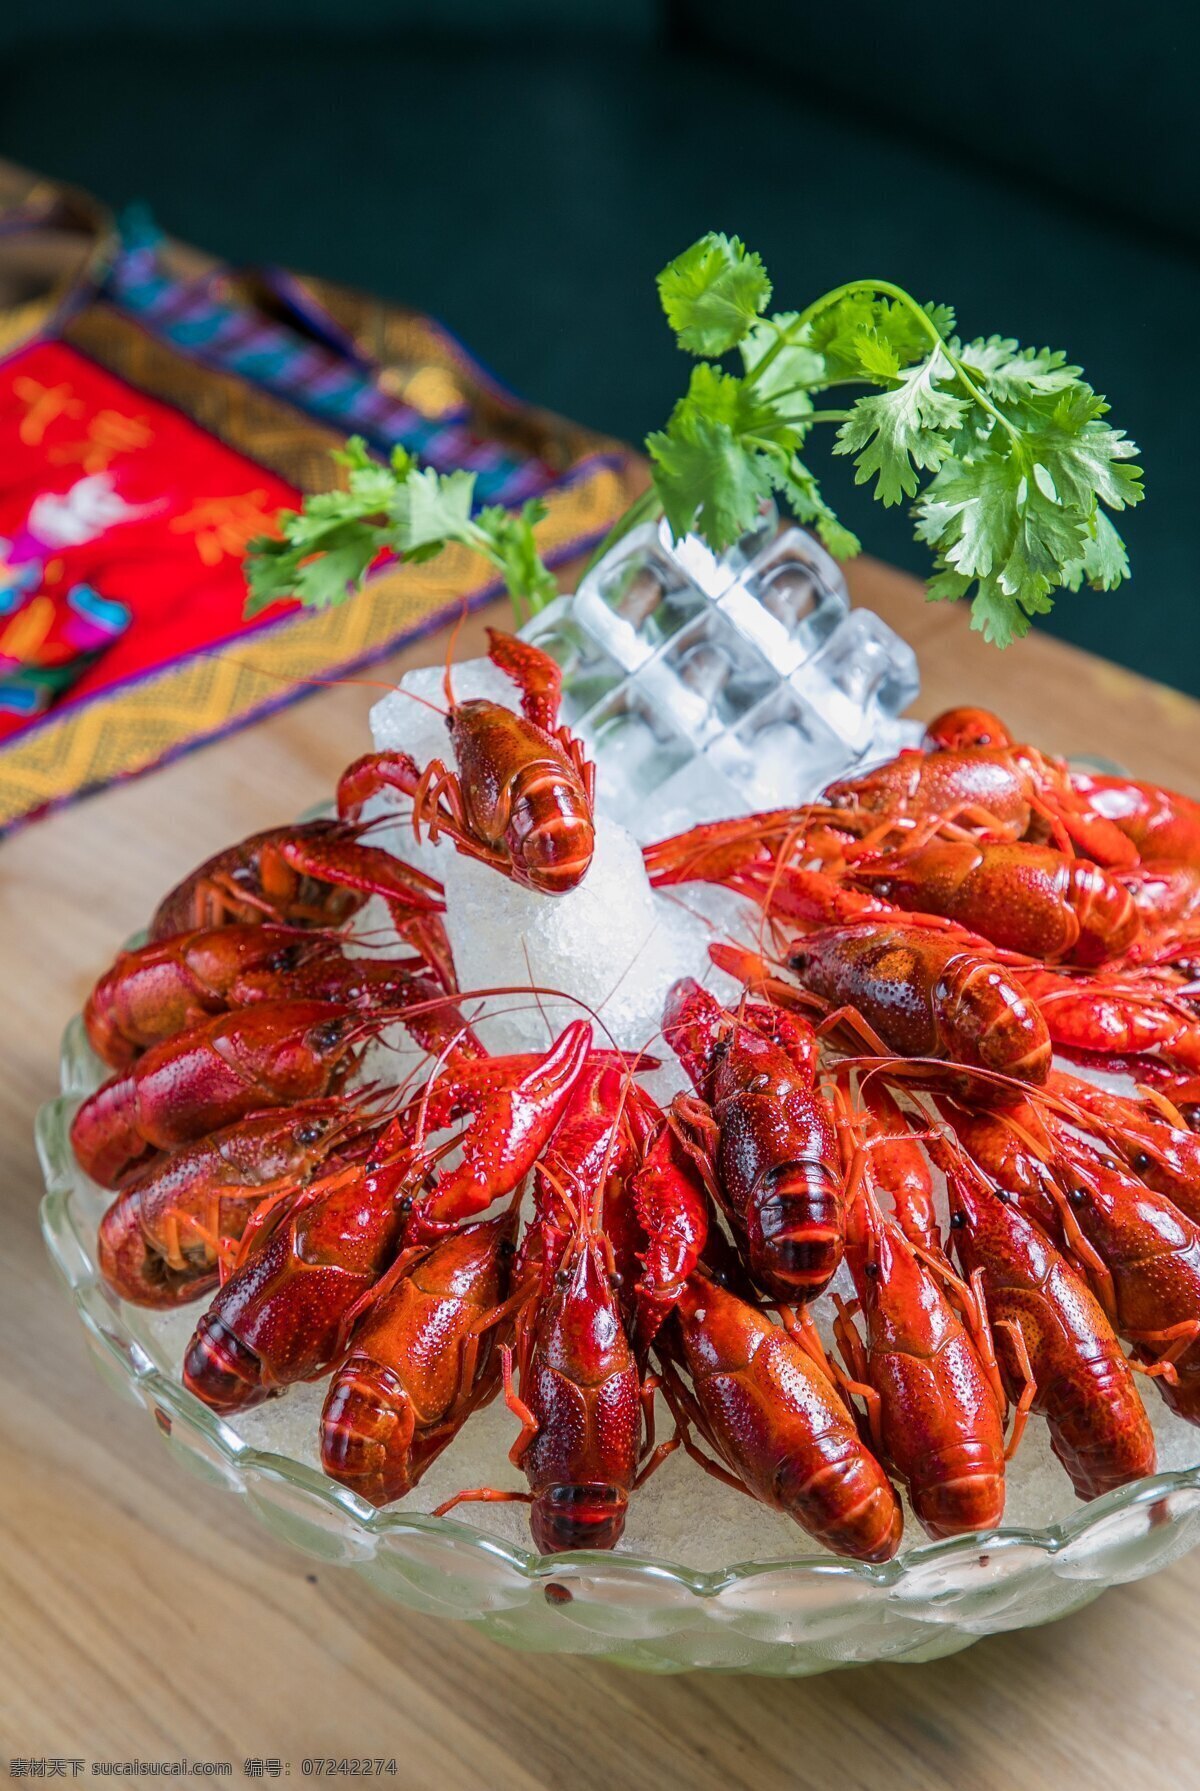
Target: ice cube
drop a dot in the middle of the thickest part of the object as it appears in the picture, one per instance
(794, 550)
(863, 672)
(639, 749)
(708, 677)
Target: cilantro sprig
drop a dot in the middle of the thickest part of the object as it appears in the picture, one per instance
(1003, 452)
(1005, 449)
(324, 552)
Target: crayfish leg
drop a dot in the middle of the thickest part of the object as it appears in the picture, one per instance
(1024, 1404)
(518, 1408)
(481, 1495)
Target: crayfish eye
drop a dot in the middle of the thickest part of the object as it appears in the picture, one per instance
(957, 1221)
(1077, 1196)
(328, 1034)
(1141, 1161)
(872, 1271)
(310, 1132)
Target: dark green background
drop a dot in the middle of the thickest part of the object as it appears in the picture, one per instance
(522, 170)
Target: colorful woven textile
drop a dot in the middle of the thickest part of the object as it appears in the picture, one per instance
(155, 412)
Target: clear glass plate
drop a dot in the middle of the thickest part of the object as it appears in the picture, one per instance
(782, 1617)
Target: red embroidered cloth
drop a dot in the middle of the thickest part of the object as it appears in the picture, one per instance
(122, 528)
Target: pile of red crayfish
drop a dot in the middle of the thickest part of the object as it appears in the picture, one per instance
(881, 1106)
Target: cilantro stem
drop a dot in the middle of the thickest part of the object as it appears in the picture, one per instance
(927, 324)
(642, 509)
(783, 339)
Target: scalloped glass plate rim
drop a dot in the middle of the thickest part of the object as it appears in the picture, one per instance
(124, 1349)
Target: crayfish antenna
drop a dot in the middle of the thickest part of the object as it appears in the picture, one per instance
(266, 671)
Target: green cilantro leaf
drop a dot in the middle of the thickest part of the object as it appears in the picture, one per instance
(860, 332)
(428, 509)
(326, 550)
(514, 552)
(997, 615)
(706, 480)
(1104, 563)
(897, 431)
(1011, 373)
(1084, 455)
(712, 293)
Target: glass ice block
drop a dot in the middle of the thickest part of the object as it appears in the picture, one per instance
(789, 599)
(638, 597)
(780, 754)
(860, 679)
(637, 748)
(750, 665)
(708, 676)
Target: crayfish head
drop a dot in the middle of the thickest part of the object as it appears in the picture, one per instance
(568, 1516)
(966, 726)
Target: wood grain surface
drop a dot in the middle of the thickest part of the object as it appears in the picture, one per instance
(145, 1615)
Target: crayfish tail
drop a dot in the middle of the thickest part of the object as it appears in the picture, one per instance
(796, 1233)
(849, 1503)
(573, 1516)
(367, 1431)
(961, 1489)
(138, 1273)
(219, 1369)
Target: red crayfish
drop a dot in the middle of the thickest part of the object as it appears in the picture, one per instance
(521, 798)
